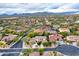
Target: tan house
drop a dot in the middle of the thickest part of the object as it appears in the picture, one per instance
(72, 38)
(39, 38)
(64, 30)
(8, 37)
(40, 31)
(52, 31)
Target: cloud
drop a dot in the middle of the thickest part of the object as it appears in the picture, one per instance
(63, 10)
(26, 7)
(8, 8)
(70, 6)
(74, 8)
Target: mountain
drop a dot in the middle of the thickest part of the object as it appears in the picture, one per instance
(30, 14)
(39, 14)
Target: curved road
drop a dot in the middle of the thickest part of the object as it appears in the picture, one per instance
(66, 50)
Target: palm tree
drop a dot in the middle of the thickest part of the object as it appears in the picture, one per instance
(27, 52)
(41, 51)
(28, 43)
(26, 40)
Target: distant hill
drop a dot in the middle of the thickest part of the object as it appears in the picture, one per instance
(38, 14)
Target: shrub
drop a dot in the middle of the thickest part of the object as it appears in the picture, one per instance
(46, 44)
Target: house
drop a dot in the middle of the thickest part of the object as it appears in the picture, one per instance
(47, 22)
(51, 31)
(8, 37)
(56, 26)
(46, 27)
(77, 21)
(39, 38)
(72, 38)
(18, 31)
(39, 30)
(64, 30)
(55, 37)
(32, 41)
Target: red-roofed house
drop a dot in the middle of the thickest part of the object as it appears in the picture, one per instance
(55, 37)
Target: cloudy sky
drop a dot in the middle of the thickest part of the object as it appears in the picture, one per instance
(11, 8)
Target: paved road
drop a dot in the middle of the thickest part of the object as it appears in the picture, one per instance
(65, 49)
(68, 50)
(19, 44)
(11, 54)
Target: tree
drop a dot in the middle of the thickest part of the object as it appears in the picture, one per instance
(13, 32)
(26, 52)
(3, 34)
(46, 34)
(32, 34)
(39, 43)
(3, 44)
(75, 33)
(41, 51)
(21, 33)
(73, 30)
(46, 44)
(7, 31)
(64, 33)
(28, 43)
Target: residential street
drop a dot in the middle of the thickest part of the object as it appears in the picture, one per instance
(65, 49)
